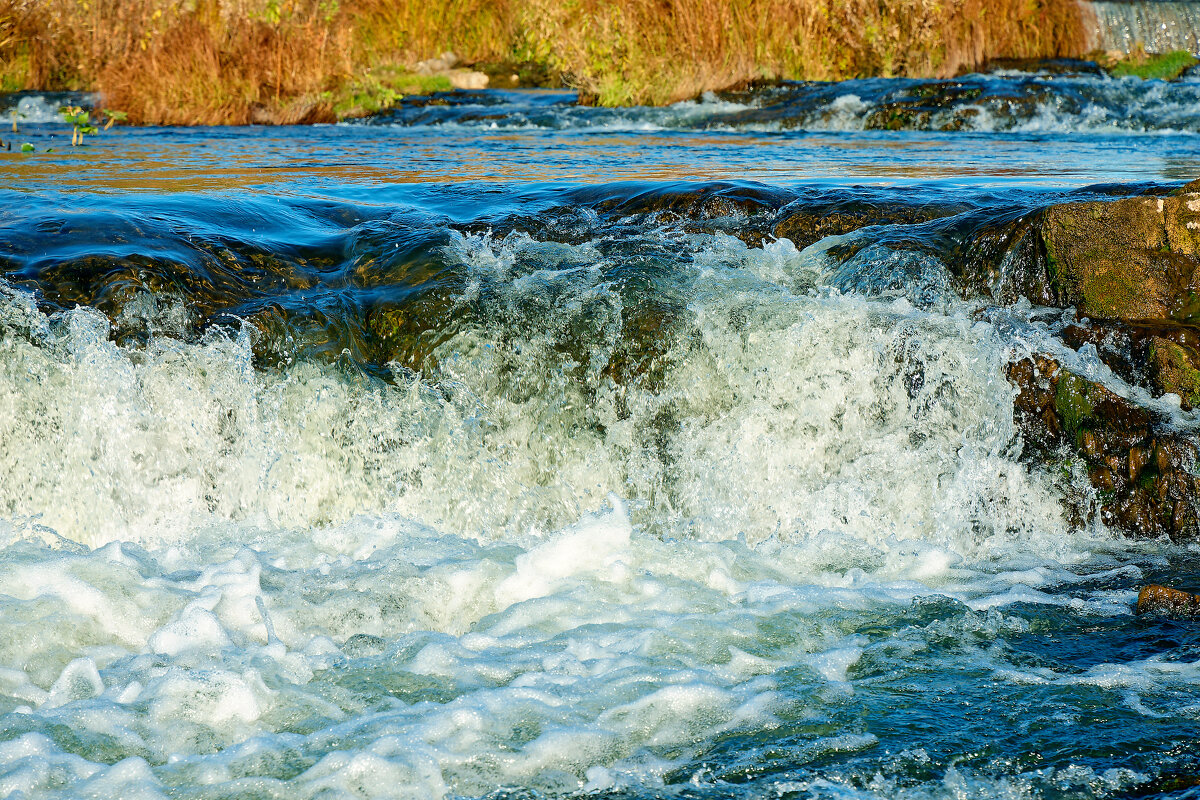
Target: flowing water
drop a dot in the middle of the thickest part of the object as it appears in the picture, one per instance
(1156, 26)
(500, 447)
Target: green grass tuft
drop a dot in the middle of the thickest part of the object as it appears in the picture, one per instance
(1162, 67)
(381, 89)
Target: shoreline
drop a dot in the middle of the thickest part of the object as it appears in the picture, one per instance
(265, 61)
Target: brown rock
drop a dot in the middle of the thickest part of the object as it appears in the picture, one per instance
(1156, 599)
(805, 226)
(1175, 368)
(1108, 259)
(1181, 217)
(1141, 471)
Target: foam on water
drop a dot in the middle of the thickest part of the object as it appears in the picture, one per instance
(874, 418)
(379, 658)
(1008, 101)
(516, 570)
(37, 109)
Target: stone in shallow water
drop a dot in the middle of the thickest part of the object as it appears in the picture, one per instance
(1162, 600)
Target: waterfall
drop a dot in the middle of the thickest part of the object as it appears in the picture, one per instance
(1159, 26)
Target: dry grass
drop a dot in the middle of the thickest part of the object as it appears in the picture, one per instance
(191, 62)
(237, 61)
(665, 50)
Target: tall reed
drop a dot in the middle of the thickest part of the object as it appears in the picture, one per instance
(238, 61)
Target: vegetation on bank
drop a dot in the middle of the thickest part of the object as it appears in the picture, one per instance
(289, 61)
(1157, 66)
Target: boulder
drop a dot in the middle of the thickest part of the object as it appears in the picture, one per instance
(1168, 602)
(1132, 259)
(446, 64)
(431, 66)
(467, 79)
(1129, 267)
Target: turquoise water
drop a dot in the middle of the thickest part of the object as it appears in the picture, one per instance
(500, 447)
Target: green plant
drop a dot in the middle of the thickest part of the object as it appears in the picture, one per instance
(114, 117)
(27, 148)
(1160, 66)
(14, 114)
(80, 122)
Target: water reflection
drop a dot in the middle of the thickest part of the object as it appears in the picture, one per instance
(331, 159)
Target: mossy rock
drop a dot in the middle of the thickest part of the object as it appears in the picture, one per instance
(1073, 403)
(1140, 471)
(806, 225)
(1175, 371)
(1130, 265)
(1181, 218)
(1115, 260)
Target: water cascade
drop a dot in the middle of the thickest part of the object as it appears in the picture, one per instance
(504, 448)
(1158, 27)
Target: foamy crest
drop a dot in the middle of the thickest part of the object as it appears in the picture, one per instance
(521, 568)
(867, 417)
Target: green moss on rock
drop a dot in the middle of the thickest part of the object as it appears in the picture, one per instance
(1174, 368)
(1181, 218)
(1110, 259)
(1072, 403)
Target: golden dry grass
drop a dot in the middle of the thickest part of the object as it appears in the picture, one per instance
(188, 61)
(664, 50)
(237, 61)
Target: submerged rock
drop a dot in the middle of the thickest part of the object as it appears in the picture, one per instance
(1162, 600)
(807, 223)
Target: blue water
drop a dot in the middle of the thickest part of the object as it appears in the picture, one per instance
(501, 447)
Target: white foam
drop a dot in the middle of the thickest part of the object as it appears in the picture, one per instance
(453, 583)
(34, 109)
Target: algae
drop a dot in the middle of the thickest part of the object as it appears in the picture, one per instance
(1106, 258)
(1072, 403)
(1175, 371)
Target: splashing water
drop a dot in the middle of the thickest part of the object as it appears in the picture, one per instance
(513, 485)
(1156, 27)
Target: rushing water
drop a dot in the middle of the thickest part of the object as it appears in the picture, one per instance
(1156, 26)
(500, 448)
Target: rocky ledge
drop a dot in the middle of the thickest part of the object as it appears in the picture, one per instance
(1162, 601)
(1131, 269)
(1128, 263)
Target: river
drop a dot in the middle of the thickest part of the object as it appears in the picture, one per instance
(502, 447)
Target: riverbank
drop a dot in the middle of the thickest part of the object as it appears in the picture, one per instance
(296, 61)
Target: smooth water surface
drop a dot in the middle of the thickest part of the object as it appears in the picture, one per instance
(500, 447)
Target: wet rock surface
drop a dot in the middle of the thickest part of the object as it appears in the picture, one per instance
(1141, 469)
(1129, 268)
(1165, 601)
